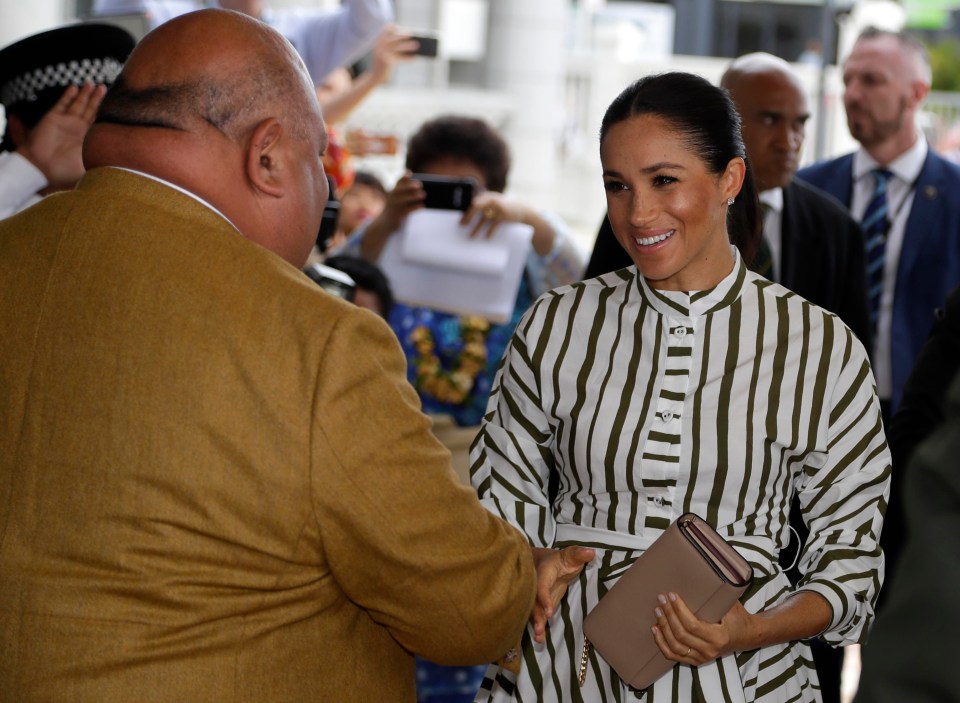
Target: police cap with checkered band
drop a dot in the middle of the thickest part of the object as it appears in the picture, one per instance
(36, 70)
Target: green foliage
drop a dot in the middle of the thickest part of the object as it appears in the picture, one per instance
(945, 62)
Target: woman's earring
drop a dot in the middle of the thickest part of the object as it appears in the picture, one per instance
(730, 201)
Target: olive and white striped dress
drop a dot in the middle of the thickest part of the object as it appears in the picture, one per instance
(646, 404)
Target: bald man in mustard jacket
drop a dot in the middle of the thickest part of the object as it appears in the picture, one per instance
(215, 482)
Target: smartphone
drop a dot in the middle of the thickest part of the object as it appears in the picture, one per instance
(429, 45)
(447, 193)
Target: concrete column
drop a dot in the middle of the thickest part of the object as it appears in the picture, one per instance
(693, 35)
(420, 73)
(526, 60)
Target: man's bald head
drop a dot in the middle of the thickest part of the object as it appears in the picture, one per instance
(221, 105)
(751, 65)
(773, 110)
(214, 67)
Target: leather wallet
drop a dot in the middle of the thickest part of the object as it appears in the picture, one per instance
(689, 559)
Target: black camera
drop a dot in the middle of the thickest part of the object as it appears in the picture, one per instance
(332, 280)
(447, 192)
(328, 223)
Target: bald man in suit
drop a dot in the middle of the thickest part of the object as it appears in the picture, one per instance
(215, 481)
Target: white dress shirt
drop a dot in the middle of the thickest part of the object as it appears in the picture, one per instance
(901, 189)
(772, 227)
(177, 188)
(20, 183)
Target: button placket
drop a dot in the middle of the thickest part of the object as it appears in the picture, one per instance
(663, 451)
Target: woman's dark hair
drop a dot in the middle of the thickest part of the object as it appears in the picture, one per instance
(464, 138)
(707, 120)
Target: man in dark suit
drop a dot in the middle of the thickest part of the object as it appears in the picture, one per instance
(886, 78)
(810, 242)
(816, 247)
(911, 655)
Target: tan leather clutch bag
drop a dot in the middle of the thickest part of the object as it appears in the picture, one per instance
(689, 559)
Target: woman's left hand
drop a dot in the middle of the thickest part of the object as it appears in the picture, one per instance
(493, 209)
(683, 637)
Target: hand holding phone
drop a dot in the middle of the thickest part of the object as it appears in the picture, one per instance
(446, 192)
(428, 45)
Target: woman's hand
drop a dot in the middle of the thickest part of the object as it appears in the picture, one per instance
(495, 208)
(391, 48)
(556, 568)
(683, 637)
(407, 195)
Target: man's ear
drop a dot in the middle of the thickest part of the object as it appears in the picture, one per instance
(918, 93)
(265, 163)
(17, 130)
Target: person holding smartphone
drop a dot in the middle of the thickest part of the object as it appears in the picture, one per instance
(463, 351)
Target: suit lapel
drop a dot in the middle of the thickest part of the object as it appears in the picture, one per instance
(923, 229)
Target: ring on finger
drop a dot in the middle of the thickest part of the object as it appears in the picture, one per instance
(489, 213)
(689, 649)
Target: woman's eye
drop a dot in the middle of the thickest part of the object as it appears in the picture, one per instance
(613, 186)
(663, 180)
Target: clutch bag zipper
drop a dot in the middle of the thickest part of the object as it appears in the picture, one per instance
(584, 658)
(703, 545)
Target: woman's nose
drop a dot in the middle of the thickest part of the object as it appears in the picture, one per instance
(641, 210)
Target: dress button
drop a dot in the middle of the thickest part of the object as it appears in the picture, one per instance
(658, 501)
(666, 416)
(680, 331)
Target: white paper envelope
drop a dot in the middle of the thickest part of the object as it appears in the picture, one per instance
(436, 238)
(427, 282)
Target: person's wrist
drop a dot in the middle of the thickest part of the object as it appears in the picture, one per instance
(26, 152)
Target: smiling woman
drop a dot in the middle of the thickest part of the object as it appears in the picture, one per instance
(667, 210)
(684, 384)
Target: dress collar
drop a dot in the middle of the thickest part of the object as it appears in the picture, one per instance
(697, 303)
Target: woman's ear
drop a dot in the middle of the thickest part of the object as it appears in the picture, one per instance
(733, 176)
(265, 158)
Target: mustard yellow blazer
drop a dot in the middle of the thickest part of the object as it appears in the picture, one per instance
(215, 482)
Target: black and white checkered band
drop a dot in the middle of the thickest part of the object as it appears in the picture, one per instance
(24, 88)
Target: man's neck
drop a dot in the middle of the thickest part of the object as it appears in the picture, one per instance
(890, 150)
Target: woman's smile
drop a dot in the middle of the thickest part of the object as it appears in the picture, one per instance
(650, 240)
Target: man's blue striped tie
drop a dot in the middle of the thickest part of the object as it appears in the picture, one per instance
(875, 225)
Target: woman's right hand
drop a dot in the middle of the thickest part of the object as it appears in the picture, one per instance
(407, 195)
(556, 568)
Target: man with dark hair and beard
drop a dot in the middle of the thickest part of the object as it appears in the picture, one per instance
(908, 201)
(912, 230)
